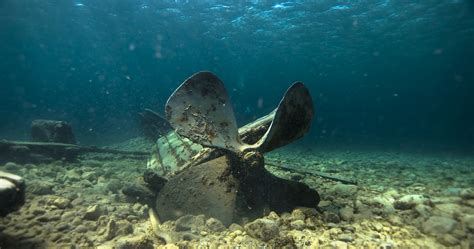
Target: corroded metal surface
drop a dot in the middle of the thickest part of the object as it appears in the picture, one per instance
(232, 183)
(292, 118)
(173, 153)
(201, 111)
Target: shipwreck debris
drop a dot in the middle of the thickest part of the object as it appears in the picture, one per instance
(227, 179)
(12, 193)
(52, 131)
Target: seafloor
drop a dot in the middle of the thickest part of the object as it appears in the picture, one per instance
(403, 199)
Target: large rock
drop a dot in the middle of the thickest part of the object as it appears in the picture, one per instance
(438, 225)
(52, 131)
(263, 229)
(93, 212)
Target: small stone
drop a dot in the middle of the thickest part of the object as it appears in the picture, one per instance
(77, 201)
(215, 225)
(469, 202)
(263, 229)
(48, 217)
(438, 225)
(40, 187)
(93, 213)
(339, 245)
(11, 166)
(377, 226)
(111, 230)
(81, 229)
(273, 216)
(298, 225)
(423, 210)
(409, 201)
(124, 228)
(76, 221)
(90, 175)
(345, 237)
(350, 229)
(61, 202)
(62, 227)
(345, 190)
(68, 215)
(72, 175)
(467, 193)
(135, 242)
(449, 240)
(346, 213)
(395, 220)
(38, 211)
(190, 222)
(331, 217)
(297, 214)
(114, 186)
(235, 227)
(448, 210)
(468, 221)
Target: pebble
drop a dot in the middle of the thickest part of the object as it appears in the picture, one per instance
(62, 227)
(331, 217)
(215, 225)
(297, 214)
(468, 221)
(449, 240)
(93, 213)
(61, 202)
(235, 227)
(68, 215)
(11, 166)
(77, 201)
(40, 187)
(345, 190)
(111, 230)
(467, 193)
(409, 201)
(190, 222)
(298, 225)
(81, 229)
(346, 213)
(345, 237)
(72, 175)
(90, 175)
(263, 229)
(38, 211)
(114, 186)
(339, 245)
(138, 241)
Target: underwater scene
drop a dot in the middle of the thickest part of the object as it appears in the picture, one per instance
(236, 124)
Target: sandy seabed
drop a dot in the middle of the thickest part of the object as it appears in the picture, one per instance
(401, 200)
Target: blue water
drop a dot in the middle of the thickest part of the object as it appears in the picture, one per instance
(394, 72)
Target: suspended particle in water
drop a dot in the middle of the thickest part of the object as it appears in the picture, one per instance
(260, 102)
(131, 47)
